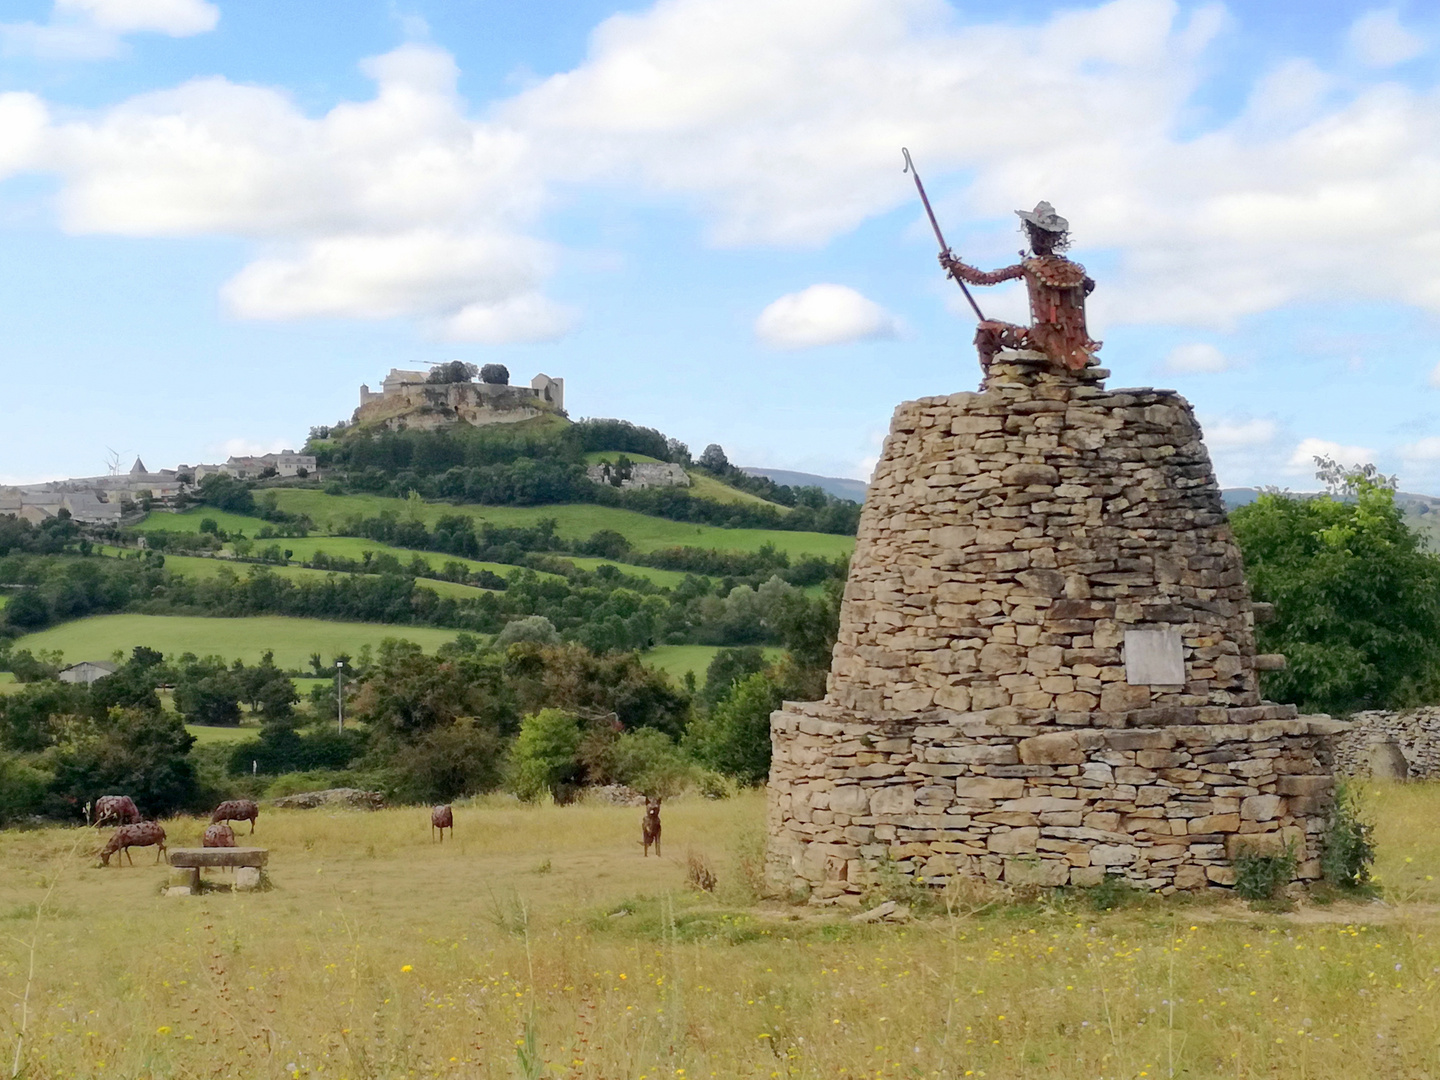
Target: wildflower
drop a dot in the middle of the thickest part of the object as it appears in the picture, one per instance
(406, 967)
(164, 1029)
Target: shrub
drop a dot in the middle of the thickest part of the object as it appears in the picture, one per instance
(1261, 877)
(545, 756)
(536, 628)
(22, 789)
(648, 761)
(735, 738)
(1349, 846)
(459, 759)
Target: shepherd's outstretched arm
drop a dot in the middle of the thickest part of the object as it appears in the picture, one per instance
(964, 272)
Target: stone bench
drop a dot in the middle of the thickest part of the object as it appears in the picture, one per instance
(247, 862)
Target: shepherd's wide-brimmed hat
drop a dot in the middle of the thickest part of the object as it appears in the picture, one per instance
(1044, 217)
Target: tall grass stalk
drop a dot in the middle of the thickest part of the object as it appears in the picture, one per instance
(32, 946)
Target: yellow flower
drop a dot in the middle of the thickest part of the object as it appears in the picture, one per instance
(163, 1029)
(406, 967)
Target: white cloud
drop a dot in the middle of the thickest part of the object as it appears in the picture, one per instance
(23, 124)
(823, 315)
(250, 447)
(396, 207)
(1378, 40)
(1230, 435)
(1426, 450)
(90, 29)
(178, 18)
(1302, 461)
(1196, 358)
(781, 124)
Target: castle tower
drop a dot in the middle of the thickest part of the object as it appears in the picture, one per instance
(1046, 666)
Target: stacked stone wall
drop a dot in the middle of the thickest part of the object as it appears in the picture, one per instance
(1417, 733)
(1045, 667)
(935, 796)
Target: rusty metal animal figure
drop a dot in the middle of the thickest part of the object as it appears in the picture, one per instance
(442, 818)
(115, 810)
(218, 835)
(237, 810)
(143, 834)
(650, 826)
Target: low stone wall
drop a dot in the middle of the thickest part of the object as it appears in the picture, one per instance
(1166, 807)
(1417, 733)
(643, 474)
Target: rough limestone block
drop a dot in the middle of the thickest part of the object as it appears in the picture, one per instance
(1060, 748)
(1261, 807)
(1044, 873)
(247, 878)
(1387, 762)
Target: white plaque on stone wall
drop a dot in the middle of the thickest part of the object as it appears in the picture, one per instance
(1154, 658)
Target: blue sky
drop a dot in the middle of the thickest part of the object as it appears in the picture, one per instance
(219, 218)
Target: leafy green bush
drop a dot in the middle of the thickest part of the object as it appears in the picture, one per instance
(462, 758)
(1261, 877)
(1357, 598)
(735, 738)
(1349, 846)
(22, 789)
(545, 756)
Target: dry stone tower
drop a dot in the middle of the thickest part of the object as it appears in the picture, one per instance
(1046, 666)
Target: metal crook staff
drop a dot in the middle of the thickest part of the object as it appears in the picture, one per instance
(944, 247)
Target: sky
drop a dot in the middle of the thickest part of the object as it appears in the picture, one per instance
(219, 217)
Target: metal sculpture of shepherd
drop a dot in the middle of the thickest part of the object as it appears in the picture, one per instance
(1058, 288)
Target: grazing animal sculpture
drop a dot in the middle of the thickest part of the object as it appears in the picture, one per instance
(442, 818)
(237, 810)
(115, 810)
(650, 826)
(143, 834)
(218, 835)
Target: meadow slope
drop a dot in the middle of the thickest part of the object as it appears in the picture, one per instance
(293, 640)
(539, 942)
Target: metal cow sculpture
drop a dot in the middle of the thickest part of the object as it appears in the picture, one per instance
(442, 818)
(114, 810)
(218, 835)
(145, 834)
(237, 810)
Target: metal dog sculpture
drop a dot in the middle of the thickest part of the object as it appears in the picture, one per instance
(650, 826)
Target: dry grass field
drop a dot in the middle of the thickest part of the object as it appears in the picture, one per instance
(539, 943)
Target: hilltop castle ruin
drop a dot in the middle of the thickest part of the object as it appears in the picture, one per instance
(407, 399)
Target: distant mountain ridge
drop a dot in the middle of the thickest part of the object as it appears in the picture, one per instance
(839, 486)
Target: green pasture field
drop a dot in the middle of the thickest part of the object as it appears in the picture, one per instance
(354, 547)
(206, 735)
(189, 521)
(198, 566)
(539, 941)
(8, 683)
(676, 660)
(701, 486)
(293, 640)
(575, 522)
(666, 579)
